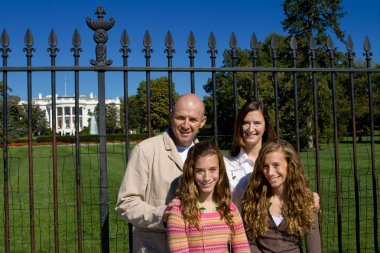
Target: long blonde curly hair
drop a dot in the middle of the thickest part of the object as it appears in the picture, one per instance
(188, 193)
(298, 207)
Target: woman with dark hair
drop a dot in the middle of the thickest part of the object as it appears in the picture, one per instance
(252, 129)
(206, 220)
(278, 206)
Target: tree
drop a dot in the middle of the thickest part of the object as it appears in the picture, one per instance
(135, 116)
(15, 113)
(16, 116)
(112, 118)
(40, 125)
(362, 116)
(309, 18)
(18, 119)
(159, 102)
(224, 93)
(224, 88)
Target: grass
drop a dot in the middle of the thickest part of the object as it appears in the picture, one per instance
(44, 201)
(118, 229)
(347, 185)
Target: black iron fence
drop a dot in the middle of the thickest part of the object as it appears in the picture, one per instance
(61, 198)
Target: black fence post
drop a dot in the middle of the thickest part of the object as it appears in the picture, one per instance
(101, 26)
(4, 41)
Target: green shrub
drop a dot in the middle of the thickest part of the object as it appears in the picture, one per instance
(87, 138)
(22, 139)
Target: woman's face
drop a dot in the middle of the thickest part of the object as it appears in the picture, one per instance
(206, 174)
(253, 128)
(275, 169)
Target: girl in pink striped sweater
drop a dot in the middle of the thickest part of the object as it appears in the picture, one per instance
(206, 220)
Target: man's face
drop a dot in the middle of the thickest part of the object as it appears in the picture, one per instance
(186, 120)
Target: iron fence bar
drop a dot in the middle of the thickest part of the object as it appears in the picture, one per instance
(103, 164)
(78, 169)
(336, 147)
(293, 45)
(76, 53)
(337, 168)
(169, 50)
(189, 69)
(29, 41)
(233, 53)
(101, 26)
(53, 50)
(147, 41)
(212, 51)
(316, 120)
(191, 51)
(254, 52)
(368, 55)
(5, 161)
(125, 51)
(274, 47)
(170, 88)
(316, 127)
(5, 50)
(350, 56)
(255, 89)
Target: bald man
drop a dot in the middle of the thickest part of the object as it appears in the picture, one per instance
(153, 165)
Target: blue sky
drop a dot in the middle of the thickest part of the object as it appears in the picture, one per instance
(222, 17)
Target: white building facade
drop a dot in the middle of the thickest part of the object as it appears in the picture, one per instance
(65, 110)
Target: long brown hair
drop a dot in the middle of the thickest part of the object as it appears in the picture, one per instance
(238, 140)
(188, 192)
(298, 207)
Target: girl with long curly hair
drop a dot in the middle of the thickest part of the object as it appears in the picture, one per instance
(206, 220)
(278, 206)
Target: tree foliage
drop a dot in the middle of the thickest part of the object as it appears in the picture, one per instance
(112, 118)
(135, 116)
(286, 90)
(40, 125)
(159, 102)
(17, 117)
(310, 18)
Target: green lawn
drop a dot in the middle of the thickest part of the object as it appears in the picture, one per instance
(328, 195)
(44, 211)
(44, 205)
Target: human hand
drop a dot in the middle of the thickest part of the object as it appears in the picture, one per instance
(174, 202)
(317, 205)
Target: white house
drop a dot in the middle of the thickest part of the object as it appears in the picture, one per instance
(65, 112)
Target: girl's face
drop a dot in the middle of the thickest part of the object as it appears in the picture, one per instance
(206, 174)
(275, 169)
(253, 128)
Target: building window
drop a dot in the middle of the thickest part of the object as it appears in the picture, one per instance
(67, 110)
(67, 122)
(59, 111)
(59, 123)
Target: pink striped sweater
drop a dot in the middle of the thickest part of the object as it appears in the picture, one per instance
(213, 235)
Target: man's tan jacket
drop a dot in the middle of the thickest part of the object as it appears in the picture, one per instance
(144, 193)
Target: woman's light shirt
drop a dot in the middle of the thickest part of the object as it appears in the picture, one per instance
(237, 167)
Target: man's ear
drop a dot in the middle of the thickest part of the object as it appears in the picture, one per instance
(204, 119)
